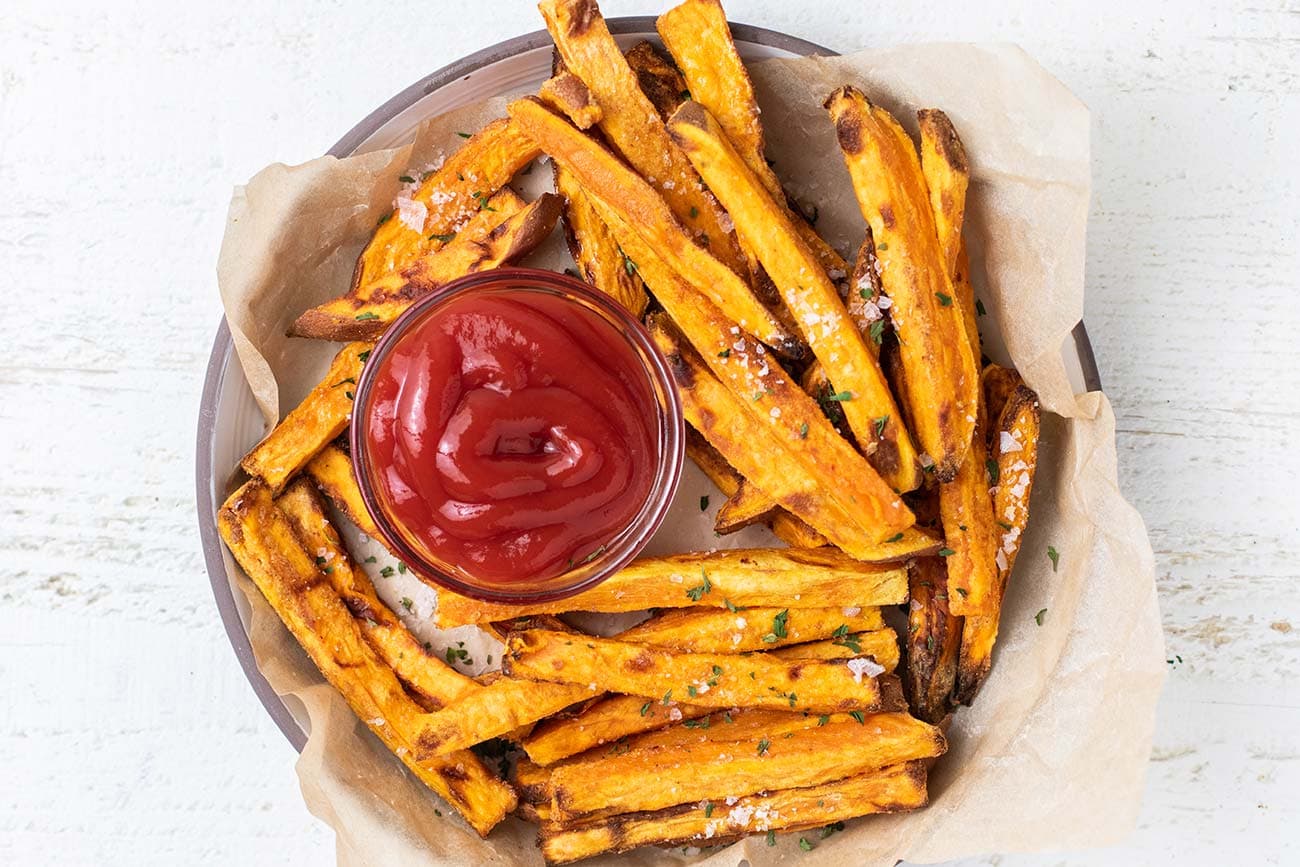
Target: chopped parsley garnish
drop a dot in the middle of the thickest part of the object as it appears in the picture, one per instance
(979, 307)
(946, 552)
(897, 537)
(701, 723)
(629, 266)
(840, 396)
(697, 593)
(803, 431)
(363, 356)
(1038, 618)
(771, 838)
(645, 708)
(401, 567)
(372, 559)
(1004, 525)
(407, 603)
(730, 606)
(463, 134)
(992, 467)
(443, 238)
(594, 554)
(384, 219)
(858, 715)
(692, 691)
(880, 425)
(830, 829)
(726, 353)
(962, 592)
(805, 845)
(878, 331)
(880, 248)
(407, 179)
(695, 212)
(779, 623)
(763, 745)
(944, 300)
(1054, 556)
(363, 317)
(685, 94)
(668, 697)
(823, 719)
(704, 502)
(386, 572)
(344, 382)
(708, 809)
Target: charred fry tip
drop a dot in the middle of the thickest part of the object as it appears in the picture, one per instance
(945, 137)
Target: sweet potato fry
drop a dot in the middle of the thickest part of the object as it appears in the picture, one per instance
(632, 126)
(941, 373)
(888, 790)
(713, 679)
(809, 470)
(879, 644)
(450, 195)
(866, 303)
(753, 724)
(764, 226)
(710, 630)
(500, 707)
(932, 641)
(655, 778)
(698, 37)
(970, 533)
(998, 384)
(785, 526)
(659, 80)
(511, 237)
(434, 681)
(331, 470)
(965, 505)
(748, 505)
(947, 175)
(605, 721)
(623, 191)
(597, 255)
(310, 426)
(264, 543)
(567, 94)
(819, 578)
(1015, 454)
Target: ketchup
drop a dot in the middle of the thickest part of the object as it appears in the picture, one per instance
(512, 433)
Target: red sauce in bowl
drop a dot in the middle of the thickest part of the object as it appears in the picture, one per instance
(511, 434)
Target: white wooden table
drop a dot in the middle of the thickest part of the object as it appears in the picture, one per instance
(128, 734)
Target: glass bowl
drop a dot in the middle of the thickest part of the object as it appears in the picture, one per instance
(667, 430)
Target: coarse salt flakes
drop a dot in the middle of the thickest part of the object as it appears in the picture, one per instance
(1008, 442)
(852, 611)
(726, 223)
(674, 713)
(775, 412)
(441, 197)
(871, 311)
(676, 579)
(741, 623)
(411, 213)
(863, 666)
(740, 815)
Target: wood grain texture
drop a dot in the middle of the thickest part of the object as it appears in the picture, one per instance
(128, 734)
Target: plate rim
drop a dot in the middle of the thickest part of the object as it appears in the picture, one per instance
(223, 346)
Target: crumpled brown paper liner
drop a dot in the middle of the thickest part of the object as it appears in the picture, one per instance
(1053, 753)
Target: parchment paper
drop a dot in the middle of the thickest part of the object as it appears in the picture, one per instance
(1053, 753)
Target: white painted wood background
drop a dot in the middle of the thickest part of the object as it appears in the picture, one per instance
(128, 735)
